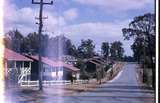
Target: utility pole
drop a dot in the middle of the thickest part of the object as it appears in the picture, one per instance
(41, 3)
(144, 53)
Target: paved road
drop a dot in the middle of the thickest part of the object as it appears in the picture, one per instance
(123, 88)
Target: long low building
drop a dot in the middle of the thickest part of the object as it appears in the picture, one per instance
(52, 70)
(96, 67)
(18, 68)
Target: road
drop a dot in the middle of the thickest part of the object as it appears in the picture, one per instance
(124, 88)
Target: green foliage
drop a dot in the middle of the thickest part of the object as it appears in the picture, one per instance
(84, 77)
(142, 29)
(13, 40)
(116, 50)
(86, 49)
(128, 59)
(141, 26)
(31, 43)
(138, 48)
(147, 62)
(52, 47)
(70, 48)
(105, 49)
(80, 64)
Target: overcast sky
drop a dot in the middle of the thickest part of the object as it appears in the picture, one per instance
(99, 20)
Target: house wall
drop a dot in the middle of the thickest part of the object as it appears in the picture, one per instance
(90, 67)
(50, 73)
(67, 75)
(13, 71)
(34, 70)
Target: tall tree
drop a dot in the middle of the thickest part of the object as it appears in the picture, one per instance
(144, 27)
(60, 45)
(86, 49)
(70, 48)
(14, 40)
(117, 50)
(31, 43)
(105, 49)
(137, 48)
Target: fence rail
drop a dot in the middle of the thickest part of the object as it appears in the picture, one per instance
(51, 82)
(108, 75)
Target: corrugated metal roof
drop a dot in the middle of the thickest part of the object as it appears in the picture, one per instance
(94, 62)
(55, 63)
(99, 61)
(11, 55)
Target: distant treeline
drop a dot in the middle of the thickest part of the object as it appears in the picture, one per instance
(54, 47)
(141, 30)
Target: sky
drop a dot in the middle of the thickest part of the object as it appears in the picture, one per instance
(99, 20)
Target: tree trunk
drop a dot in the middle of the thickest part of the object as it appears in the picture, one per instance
(151, 59)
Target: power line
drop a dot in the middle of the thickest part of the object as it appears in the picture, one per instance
(41, 3)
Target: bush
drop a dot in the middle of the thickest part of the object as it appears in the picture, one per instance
(82, 76)
(147, 62)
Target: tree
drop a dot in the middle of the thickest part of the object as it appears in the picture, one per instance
(31, 43)
(137, 48)
(144, 27)
(45, 40)
(128, 59)
(60, 45)
(116, 50)
(70, 48)
(14, 40)
(105, 49)
(86, 49)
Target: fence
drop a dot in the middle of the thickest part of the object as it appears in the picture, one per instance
(51, 82)
(109, 74)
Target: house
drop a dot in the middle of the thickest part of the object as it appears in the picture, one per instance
(107, 60)
(17, 67)
(105, 65)
(96, 66)
(52, 69)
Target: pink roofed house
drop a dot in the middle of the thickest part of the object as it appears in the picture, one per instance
(52, 69)
(17, 66)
